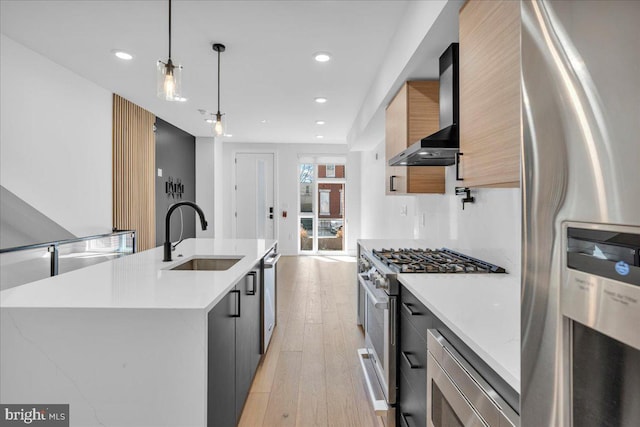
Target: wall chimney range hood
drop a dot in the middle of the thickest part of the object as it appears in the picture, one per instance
(440, 148)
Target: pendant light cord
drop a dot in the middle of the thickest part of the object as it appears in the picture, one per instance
(169, 29)
(218, 81)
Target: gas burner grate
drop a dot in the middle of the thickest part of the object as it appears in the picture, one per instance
(433, 261)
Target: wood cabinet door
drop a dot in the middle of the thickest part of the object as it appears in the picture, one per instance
(424, 119)
(396, 118)
(410, 116)
(490, 128)
(221, 372)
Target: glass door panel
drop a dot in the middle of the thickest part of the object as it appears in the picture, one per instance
(306, 234)
(330, 216)
(321, 207)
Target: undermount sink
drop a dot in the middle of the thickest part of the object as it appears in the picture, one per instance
(208, 264)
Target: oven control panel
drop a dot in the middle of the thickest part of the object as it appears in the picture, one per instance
(379, 279)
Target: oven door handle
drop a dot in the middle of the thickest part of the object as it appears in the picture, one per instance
(380, 303)
(376, 395)
(271, 261)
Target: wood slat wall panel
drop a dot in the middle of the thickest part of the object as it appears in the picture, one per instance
(134, 159)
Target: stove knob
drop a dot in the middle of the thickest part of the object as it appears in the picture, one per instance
(380, 281)
(365, 265)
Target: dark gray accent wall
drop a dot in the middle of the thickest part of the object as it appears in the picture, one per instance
(21, 224)
(176, 156)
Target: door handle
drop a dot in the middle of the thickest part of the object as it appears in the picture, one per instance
(391, 182)
(408, 309)
(238, 303)
(405, 356)
(254, 279)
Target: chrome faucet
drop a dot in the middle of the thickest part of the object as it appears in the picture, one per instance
(167, 225)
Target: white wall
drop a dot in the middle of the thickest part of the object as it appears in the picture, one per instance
(205, 184)
(287, 188)
(382, 216)
(489, 229)
(55, 140)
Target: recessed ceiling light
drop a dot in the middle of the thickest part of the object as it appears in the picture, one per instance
(209, 120)
(264, 121)
(320, 100)
(228, 135)
(320, 122)
(122, 54)
(322, 56)
(181, 99)
(319, 136)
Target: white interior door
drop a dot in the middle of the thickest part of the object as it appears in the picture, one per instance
(255, 210)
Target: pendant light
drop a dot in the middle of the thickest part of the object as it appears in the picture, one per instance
(218, 127)
(169, 76)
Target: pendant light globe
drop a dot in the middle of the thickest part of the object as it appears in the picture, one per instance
(169, 76)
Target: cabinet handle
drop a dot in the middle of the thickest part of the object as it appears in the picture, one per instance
(403, 416)
(405, 356)
(392, 320)
(458, 177)
(254, 279)
(238, 303)
(391, 182)
(408, 309)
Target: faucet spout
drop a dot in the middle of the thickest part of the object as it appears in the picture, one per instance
(167, 225)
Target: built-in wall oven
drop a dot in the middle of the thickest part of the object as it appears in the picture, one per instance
(600, 302)
(457, 396)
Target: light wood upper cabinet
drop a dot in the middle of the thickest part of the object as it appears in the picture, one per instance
(411, 115)
(490, 126)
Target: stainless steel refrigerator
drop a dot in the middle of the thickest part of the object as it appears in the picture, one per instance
(581, 207)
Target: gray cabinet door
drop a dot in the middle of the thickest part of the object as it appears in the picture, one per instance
(221, 381)
(247, 337)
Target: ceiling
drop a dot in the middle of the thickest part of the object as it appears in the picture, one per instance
(268, 71)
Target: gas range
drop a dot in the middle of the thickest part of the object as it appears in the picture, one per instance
(433, 261)
(380, 267)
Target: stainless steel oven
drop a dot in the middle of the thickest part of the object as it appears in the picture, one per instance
(378, 291)
(378, 357)
(457, 396)
(600, 302)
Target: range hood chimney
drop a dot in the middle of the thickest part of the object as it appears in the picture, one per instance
(440, 148)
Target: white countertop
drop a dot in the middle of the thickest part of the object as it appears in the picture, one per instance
(483, 310)
(143, 280)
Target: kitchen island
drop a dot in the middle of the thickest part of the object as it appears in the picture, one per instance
(123, 342)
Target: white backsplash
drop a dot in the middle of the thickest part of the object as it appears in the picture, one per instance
(489, 229)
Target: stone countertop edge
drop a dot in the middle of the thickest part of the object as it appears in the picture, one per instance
(143, 281)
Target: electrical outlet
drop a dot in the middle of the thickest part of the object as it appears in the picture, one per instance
(159, 172)
(403, 210)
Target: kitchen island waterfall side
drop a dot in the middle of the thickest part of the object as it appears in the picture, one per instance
(123, 342)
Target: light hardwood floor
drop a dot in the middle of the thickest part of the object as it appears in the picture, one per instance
(311, 375)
